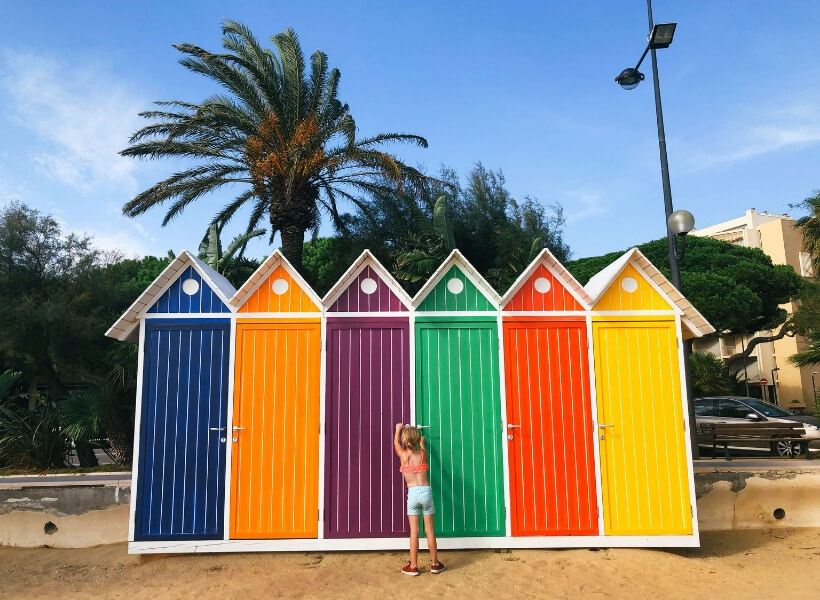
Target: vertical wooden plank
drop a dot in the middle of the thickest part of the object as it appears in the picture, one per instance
(645, 486)
(551, 456)
(180, 481)
(275, 467)
(368, 391)
(454, 395)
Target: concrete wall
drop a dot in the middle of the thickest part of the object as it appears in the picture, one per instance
(729, 497)
(64, 515)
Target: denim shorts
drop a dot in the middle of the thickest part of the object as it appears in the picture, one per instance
(420, 500)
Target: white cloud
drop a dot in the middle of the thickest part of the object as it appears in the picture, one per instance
(81, 116)
(760, 131)
(582, 205)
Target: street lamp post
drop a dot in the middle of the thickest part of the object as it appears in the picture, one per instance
(814, 393)
(660, 36)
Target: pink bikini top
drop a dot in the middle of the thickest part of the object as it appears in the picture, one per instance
(413, 468)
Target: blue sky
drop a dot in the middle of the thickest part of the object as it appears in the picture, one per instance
(526, 88)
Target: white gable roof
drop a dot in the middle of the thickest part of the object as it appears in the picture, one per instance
(261, 274)
(552, 264)
(125, 329)
(691, 319)
(366, 258)
(457, 258)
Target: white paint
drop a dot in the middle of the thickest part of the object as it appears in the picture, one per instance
(455, 285)
(542, 285)
(368, 285)
(454, 543)
(280, 286)
(629, 285)
(190, 286)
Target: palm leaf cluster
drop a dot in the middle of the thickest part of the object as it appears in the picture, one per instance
(278, 136)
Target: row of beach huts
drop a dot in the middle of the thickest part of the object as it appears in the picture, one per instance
(555, 416)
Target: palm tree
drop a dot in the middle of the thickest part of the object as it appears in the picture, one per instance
(280, 136)
(810, 228)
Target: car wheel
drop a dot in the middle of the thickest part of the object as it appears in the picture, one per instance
(788, 448)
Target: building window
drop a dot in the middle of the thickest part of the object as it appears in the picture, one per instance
(806, 268)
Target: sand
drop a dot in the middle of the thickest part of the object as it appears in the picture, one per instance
(729, 565)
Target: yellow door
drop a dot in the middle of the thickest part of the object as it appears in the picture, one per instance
(644, 472)
(275, 455)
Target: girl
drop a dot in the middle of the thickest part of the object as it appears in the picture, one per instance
(413, 457)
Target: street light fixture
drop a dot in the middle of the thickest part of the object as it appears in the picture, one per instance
(660, 36)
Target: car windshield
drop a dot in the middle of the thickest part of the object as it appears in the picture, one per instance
(770, 410)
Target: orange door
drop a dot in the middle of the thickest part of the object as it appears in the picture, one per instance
(275, 470)
(549, 428)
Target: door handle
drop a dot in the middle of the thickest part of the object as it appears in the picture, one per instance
(218, 428)
(235, 428)
(511, 426)
(422, 427)
(605, 425)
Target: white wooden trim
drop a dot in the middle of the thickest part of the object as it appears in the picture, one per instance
(135, 458)
(653, 283)
(229, 432)
(179, 316)
(264, 271)
(454, 313)
(687, 425)
(546, 258)
(412, 370)
(544, 313)
(400, 543)
(505, 450)
(647, 314)
(593, 396)
(367, 315)
(267, 316)
(469, 271)
(322, 410)
(365, 258)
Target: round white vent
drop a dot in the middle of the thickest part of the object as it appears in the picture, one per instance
(368, 285)
(455, 285)
(280, 286)
(542, 285)
(190, 286)
(629, 284)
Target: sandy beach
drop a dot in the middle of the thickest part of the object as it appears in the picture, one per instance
(729, 565)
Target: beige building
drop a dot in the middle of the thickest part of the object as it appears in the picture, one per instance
(777, 236)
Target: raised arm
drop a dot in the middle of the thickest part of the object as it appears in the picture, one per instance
(396, 441)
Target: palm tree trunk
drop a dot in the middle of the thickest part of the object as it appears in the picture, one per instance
(293, 241)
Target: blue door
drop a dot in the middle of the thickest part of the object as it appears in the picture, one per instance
(181, 480)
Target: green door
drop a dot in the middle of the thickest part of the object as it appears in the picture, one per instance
(458, 398)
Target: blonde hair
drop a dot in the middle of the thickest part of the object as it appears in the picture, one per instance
(411, 438)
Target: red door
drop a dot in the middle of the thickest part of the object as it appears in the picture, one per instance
(552, 463)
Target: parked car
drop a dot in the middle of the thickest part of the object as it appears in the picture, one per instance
(738, 409)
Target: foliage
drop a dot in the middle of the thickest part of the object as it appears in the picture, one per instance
(429, 245)
(325, 261)
(730, 285)
(32, 439)
(7, 381)
(494, 231)
(280, 136)
(709, 375)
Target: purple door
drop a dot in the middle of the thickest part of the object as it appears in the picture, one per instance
(368, 392)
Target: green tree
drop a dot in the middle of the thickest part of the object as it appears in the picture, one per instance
(709, 375)
(325, 261)
(281, 137)
(809, 226)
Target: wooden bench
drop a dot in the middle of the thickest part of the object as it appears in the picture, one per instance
(724, 433)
